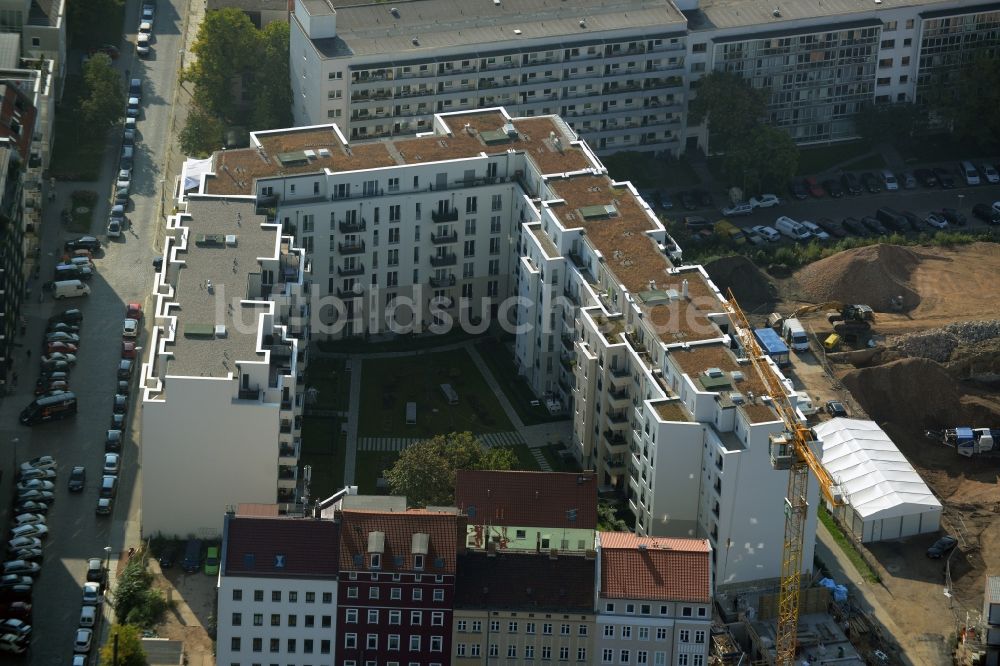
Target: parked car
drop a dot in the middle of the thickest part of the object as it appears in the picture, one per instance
(989, 173)
(36, 496)
(104, 506)
(128, 349)
(935, 220)
(798, 190)
(95, 570)
(764, 201)
(944, 177)
(19, 543)
(142, 44)
(926, 177)
(56, 357)
(695, 223)
(112, 463)
(158, 263)
(912, 219)
(113, 440)
(35, 484)
(27, 518)
(688, 201)
(985, 213)
(738, 210)
(955, 217)
(942, 547)
(212, 561)
(14, 644)
(769, 233)
(753, 237)
(124, 178)
(45, 385)
(125, 369)
(873, 225)
(36, 473)
(813, 186)
(91, 594)
(114, 229)
(836, 408)
(871, 183)
(130, 328)
(831, 227)
(853, 225)
(60, 347)
(132, 107)
(21, 567)
(84, 243)
(28, 555)
(851, 183)
(167, 557)
(72, 316)
(14, 626)
(907, 180)
(19, 609)
(889, 180)
(84, 637)
(77, 479)
(39, 462)
(31, 507)
(833, 188)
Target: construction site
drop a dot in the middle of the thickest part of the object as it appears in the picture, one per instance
(908, 337)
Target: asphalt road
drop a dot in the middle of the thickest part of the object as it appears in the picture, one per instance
(124, 274)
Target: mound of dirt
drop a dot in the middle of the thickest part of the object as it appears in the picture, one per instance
(872, 275)
(912, 393)
(753, 291)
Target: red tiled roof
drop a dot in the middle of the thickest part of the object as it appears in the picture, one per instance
(654, 568)
(531, 499)
(445, 532)
(259, 510)
(281, 547)
(514, 581)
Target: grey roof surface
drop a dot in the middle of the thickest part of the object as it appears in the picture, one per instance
(227, 267)
(720, 14)
(371, 29)
(993, 589)
(10, 50)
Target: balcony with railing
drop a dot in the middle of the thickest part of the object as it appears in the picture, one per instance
(450, 215)
(351, 247)
(347, 271)
(354, 292)
(618, 398)
(442, 282)
(288, 454)
(615, 441)
(354, 227)
(288, 476)
(249, 393)
(618, 420)
(615, 462)
(441, 239)
(440, 260)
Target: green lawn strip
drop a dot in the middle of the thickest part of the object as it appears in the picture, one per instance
(848, 546)
(525, 460)
(82, 205)
(942, 148)
(400, 344)
(324, 448)
(332, 382)
(501, 365)
(647, 171)
(822, 158)
(869, 162)
(388, 384)
(369, 467)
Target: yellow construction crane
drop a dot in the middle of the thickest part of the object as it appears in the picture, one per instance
(789, 450)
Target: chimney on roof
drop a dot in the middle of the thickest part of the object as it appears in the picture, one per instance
(684, 289)
(642, 546)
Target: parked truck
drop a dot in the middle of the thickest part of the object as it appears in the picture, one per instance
(969, 442)
(772, 345)
(795, 334)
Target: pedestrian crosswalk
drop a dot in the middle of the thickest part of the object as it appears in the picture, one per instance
(400, 443)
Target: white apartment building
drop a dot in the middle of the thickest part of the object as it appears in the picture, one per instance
(639, 350)
(41, 25)
(615, 72)
(277, 598)
(653, 601)
(220, 385)
(621, 74)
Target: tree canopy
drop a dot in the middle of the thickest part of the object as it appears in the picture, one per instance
(966, 99)
(425, 472)
(730, 105)
(202, 133)
(892, 123)
(764, 160)
(130, 652)
(103, 103)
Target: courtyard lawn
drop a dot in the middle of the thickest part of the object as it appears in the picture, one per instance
(324, 448)
(647, 171)
(558, 462)
(388, 384)
(498, 359)
(818, 159)
(332, 383)
(368, 469)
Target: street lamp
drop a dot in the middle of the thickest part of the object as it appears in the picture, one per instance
(107, 560)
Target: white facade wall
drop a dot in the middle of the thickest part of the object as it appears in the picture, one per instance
(662, 630)
(201, 438)
(320, 613)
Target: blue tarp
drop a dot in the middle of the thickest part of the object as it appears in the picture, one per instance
(772, 345)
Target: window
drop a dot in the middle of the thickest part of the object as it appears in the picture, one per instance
(416, 618)
(437, 643)
(630, 609)
(470, 204)
(395, 617)
(258, 595)
(275, 620)
(437, 619)
(393, 641)
(470, 227)
(512, 651)
(890, 26)
(564, 630)
(326, 621)
(512, 627)
(237, 619)
(624, 656)
(439, 593)
(698, 660)
(474, 650)
(327, 597)
(393, 239)
(258, 645)
(661, 633)
(702, 612)
(293, 597)
(905, 62)
(582, 630)
(352, 593)
(418, 562)
(627, 632)
(469, 248)
(276, 596)
(307, 645)
(495, 229)
(494, 650)
(609, 631)
(546, 652)
(311, 620)
(581, 654)
(351, 616)
(310, 597)
(546, 628)
(274, 645)
(494, 246)
(909, 24)
(394, 213)
(660, 659)
(418, 594)
(686, 611)
(396, 593)
(258, 619)
(371, 642)
(414, 643)
(373, 592)
(375, 559)
(529, 651)
(234, 644)
(237, 595)
(372, 616)
(324, 647)
(461, 625)
(607, 656)
(529, 627)
(290, 645)
(643, 633)
(645, 609)
(497, 203)
(699, 636)
(564, 652)
(641, 657)
(684, 636)
(494, 625)
(350, 641)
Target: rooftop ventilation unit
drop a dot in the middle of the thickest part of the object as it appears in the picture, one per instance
(324, 152)
(737, 375)
(737, 398)
(376, 542)
(415, 41)
(231, 240)
(220, 330)
(419, 543)
(309, 153)
(517, 31)
(713, 372)
(394, 12)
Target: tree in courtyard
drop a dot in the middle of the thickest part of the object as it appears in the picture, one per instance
(272, 89)
(425, 472)
(967, 99)
(227, 47)
(891, 123)
(763, 160)
(103, 104)
(731, 106)
(83, 15)
(202, 133)
(129, 647)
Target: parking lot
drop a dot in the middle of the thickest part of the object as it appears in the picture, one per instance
(123, 274)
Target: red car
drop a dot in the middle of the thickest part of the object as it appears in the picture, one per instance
(815, 189)
(107, 49)
(16, 609)
(64, 347)
(128, 349)
(42, 388)
(134, 311)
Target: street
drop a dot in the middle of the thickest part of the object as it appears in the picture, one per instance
(123, 274)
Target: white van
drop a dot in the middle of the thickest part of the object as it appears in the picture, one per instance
(786, 226)
(69, 289)
(88, 616)
(889, 180)
(794, 334)
(969, 173)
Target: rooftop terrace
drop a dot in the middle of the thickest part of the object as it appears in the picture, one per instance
(211, 287)
(697, 359)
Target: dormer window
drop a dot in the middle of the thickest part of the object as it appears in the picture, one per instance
(375, 561)
(418, 562)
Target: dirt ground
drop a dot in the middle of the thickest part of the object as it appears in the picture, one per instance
(194, 597)
(908, 396)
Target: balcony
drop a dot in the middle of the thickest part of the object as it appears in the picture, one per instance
(249, 393)
(440, 260)
(288, 454)
(571, 297)
(352, 270)
(614, 462)
(567, 342)
(445, 216)
(618, 418)
(440, 283)
(352, 227)
(349, 293)
(441, 239)
(715, 510)
(615, 441)
(351, 247)
(618, 398)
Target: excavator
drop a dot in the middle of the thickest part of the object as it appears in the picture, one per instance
(847, 319)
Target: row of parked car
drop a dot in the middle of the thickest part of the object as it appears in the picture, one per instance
(966, 172)
(92, 602)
